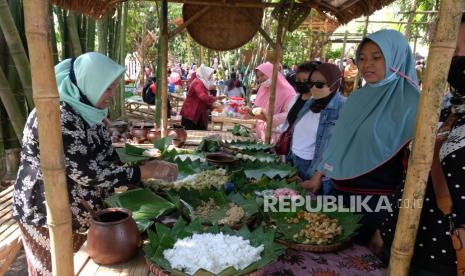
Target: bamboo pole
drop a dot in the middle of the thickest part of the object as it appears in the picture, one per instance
(12, 107)
(122, 48)
(365, 31)
(17, 51)
(90, 33)
(164, 64)
(71, 22)
(53, 34)
(51, 144)
(2, 144)
(278, 54)
(440, 54)
(61, 24)
(102, 34)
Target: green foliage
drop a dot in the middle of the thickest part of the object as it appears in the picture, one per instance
(334, 54)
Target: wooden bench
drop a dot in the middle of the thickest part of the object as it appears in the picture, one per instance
(10, 235)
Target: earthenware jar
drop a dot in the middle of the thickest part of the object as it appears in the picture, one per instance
(139, 133)
(153, 133)
(115, 238)
(179, 135)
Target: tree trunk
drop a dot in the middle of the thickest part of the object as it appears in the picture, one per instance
(50, 137)
(411, 16)
(2, 142)
(164, 63)
(419, 166)
(12, 107)
(16, 50)
(71, 22)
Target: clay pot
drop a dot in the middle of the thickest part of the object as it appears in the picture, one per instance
(139, 134)
(179, 135)
(115, 239)
(153, 134)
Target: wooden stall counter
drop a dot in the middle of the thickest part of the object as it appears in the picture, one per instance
(221, 120)
(84, 266)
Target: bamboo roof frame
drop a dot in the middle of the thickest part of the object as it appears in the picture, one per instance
(46, 98)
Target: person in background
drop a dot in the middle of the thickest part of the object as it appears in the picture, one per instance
(149, 90)
(350, 74)
(86, 86)
(234, 87)
(284, 95)
(198, 101)
(365, 155)
(434, 253)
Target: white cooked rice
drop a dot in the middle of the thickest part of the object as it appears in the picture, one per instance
(212, 252)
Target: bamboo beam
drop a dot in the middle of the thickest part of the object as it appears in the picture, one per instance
(278, 54)
(164, 74)
(17, 51)
(12, 107)
(189, 21)
(246, 4)
(51, 144)
(267, 37)
(440, 54)
(394, 22)
(419, 12)
(365, 31)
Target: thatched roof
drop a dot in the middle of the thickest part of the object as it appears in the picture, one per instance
(343, 10)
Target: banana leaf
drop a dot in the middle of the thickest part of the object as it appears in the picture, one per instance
(250, 146)
(348, 221)
(195, 198)
(131, 155)
(269, 170)
(144, 204)
(165, 238)
(163, 143)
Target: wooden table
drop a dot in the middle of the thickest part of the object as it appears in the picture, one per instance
(221, 120)
(135, 105)
(84, 266)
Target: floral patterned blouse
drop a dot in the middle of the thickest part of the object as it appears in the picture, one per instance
(91, 170)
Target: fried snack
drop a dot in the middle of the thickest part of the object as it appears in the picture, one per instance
(320, 229)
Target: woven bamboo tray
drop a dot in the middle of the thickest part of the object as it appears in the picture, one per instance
(223, 28)
(318, 248)
(156, 271)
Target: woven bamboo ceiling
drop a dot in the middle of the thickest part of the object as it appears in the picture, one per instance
(343, 10)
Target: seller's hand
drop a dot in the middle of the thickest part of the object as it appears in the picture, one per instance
(159, 170)
(260, 116)
(376, 243)
(314, 184)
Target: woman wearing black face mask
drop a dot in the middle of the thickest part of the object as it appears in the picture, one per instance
(313, 115)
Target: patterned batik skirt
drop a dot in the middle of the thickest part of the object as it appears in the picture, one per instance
(36, 244)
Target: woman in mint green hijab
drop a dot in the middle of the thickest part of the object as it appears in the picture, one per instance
(86, 86)
(364, 156)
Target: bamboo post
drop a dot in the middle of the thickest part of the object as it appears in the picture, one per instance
(73, 33)
(440, 54)
(343, 53)
(2, 144)
(51, 144)
(164, 74)
(16, 50)
(90, 47)
(365, 31)
(122, 48)
(12, 106)
(278, 53)
(54, 37)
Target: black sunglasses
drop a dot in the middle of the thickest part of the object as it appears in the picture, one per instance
(317, 84)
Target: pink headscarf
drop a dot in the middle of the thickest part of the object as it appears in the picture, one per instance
(284, 91)
(284, 95)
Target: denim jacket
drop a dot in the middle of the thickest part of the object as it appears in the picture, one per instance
(328, 118)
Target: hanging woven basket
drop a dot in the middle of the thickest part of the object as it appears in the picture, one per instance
(223, 28)
(94, 8)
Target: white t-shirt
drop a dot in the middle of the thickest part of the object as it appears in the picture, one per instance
(304, 136)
